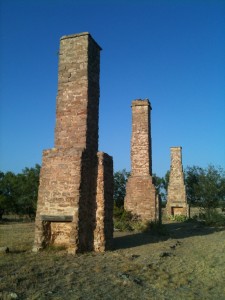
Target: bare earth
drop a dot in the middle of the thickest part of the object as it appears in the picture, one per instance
(186, 262)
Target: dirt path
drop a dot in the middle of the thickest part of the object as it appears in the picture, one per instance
(187, 262)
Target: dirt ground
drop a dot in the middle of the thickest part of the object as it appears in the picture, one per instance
(186, 261)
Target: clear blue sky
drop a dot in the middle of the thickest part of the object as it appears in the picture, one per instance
(172, 52)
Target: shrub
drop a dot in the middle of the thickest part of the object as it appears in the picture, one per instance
(126, 221)
(178, 218)
(122, 219)
(214, 218)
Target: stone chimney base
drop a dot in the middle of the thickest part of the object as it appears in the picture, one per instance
(141, 198)
(75, 207)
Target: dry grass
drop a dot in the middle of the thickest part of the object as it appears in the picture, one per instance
(187, 263)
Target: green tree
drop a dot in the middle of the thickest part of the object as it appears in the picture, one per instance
(165, 180)
(120, 180)
(28, 182)
(3, 199)
(205, 187)
(159, 186)
(18, 193)
(192, 181)
(8, 193)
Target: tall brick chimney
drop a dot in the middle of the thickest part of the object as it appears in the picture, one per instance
(75, 199)
(141, 198)
(176, 194)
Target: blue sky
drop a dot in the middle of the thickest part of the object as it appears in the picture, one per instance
(172, 52)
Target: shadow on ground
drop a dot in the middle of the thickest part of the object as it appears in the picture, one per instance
(124, 240)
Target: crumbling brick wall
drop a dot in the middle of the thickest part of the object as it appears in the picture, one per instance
(73, 192)
(141, 198)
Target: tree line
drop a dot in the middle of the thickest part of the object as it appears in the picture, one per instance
(205, 188)
(18, 192)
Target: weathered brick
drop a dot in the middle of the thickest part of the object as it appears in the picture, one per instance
(76, 180)
(176, 194)
(141, 198)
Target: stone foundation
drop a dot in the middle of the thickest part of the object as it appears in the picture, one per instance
(141, 198)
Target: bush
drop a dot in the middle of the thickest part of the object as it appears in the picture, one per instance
(122, 219)
(178, 218)
(213, 218)
(126, 221)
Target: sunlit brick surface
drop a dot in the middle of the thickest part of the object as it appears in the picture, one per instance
(141, 198)
(176, 194)
(75, 201)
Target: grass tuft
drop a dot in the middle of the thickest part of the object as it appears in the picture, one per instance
(55, 248)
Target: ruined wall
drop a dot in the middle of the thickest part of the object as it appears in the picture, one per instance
(176, 194)
(68, 196)
(104, 207)
(141, 198)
